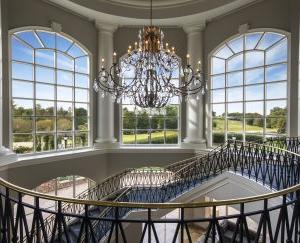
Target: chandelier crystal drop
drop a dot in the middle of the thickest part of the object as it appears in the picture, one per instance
(155, 68)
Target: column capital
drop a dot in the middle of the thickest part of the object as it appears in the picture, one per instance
(191, 29)
(105, 27)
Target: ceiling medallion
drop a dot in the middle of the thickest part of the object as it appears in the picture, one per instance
(157, 73)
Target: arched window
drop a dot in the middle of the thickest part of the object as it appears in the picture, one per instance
(248, 87)
(50, 80)
(142, 126)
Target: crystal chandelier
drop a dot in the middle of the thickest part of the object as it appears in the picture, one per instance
(155, 66)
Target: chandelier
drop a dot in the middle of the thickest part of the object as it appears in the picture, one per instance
(156, 69)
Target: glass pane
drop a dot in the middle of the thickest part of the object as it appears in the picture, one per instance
(44, 91)
(170, 110)
(257, 138)
(276, 73)
(157, 137)
(218, 110)
(64, 124)
(143, 121)
(76, 51)
(82, 80)
(62, 43)
(224, 52)
(276, 108)
(64, 93)
(254, 92)
(64, 141)
(64, 78)
(22, 144)
(82, 65)
(44, 57)
(142, 137)
(159, 122)
(44, 74)
(44, 142)
(65, 62)
(235, 136)
(218, 124)
(64, 109)
(30, 38)
(47, 38)
(218, 81)
(235, 63)
(254, 59)
(237, 44)
(81, 123)
(22, 125)
(22, 89)
(218, 138)
(276, 90)
(81, 140)
(218, 65)
(45, 124)
(235, 109)
(172, 123)
(278, 53)
(81, 109)
(218, 95)
(234, 125)
(235, 94)
(268, 40)
(276, 125)
(129, 120)
(22, 71)
(81, 95)
(254, 109)
(254, 125)
(44, 108)
(234, 79)
(128, 137)
(22, 107)
(251, 40)
(172, 137)
(20, 51)
(254, 76)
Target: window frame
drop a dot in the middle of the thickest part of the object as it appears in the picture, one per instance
(89, 103)
(209, 117)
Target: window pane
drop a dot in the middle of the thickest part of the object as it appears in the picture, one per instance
(44, 57)
(64, 93)
(157, 137)
(64, 78)
(64, 109)
(47, 38)
(234, 79)
(218, 81)
(44, 142)
(44, 74)
(276, 73)
(235, 63)
(22, 89)
(235, 109)
(44, 124)
(81, 95)
(218, 65)
(224, 52)
(22, 144)
(172, 123)
(76, 51)
(22, 71)
(172, 137)
(82, 65)
(251, 40)
(81, 109)
(22, 107)
(159, 123)
(254, 76)
(65, 62)
(218, 96)
(276, 125)
(20, 51)
(128, 137)
(254, 92)
(218, 124)
(82, 80)
(81, 123)
(81, 140)
(268, 40)
(44, 91)
(254, 59)
(276, 108)
(257, 138)
(64, 141)
(254, 125)
(218, 110)
(30, 38)
(235, 94)
(64, 123)
(237, 44)
(62, 43)
(218, 138)
(142, 137)
(143, 121)
(129, 121)
(22, 125)
(278, 53)
(234, 125)
(276, 90)
(170, 110)
(44, 108)
(254, 109)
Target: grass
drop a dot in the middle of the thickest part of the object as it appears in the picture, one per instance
(156, 137)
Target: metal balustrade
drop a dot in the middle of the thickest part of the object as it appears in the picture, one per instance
(104, 212)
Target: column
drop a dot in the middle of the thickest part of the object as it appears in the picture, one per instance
(195, 107)
(105, 105)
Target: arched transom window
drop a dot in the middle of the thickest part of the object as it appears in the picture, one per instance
(248, 87)
(50, 92)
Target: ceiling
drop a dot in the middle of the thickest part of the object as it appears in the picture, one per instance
(165, 12)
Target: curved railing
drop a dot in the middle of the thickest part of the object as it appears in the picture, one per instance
(277, 214)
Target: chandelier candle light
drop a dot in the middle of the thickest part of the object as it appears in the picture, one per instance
(155, 68)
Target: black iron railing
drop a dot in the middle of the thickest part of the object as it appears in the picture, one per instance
(144, 197)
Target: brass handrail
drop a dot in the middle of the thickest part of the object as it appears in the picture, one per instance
(172, 205)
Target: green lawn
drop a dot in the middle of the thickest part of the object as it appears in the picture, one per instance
(156, 137)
